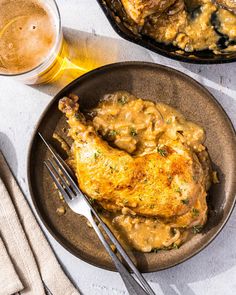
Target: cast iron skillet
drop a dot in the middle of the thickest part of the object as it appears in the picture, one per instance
(148, 81)
(116, 15)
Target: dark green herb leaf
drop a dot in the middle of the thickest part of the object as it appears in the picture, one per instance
(170, 178)
(133, 132)
(195, 178)
(175, 246)
(77, 116)
(162, 152)
(197, 229)
(178, 190)
(169, 121)
(173, 231)
(122, 100)
(112, 169)
(195, 212)
(185, 201)
(97, 154)
(112, 133)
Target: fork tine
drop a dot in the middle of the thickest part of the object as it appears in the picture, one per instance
(59, 161)
(66, 186)
(58, 184)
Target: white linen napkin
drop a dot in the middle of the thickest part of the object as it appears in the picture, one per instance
(7, 271)
(27, 262)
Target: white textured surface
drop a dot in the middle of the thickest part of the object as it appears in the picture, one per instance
(213, 271)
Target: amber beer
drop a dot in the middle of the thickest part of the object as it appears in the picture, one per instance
(30, 40)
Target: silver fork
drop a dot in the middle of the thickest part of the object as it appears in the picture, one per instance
(81, 204)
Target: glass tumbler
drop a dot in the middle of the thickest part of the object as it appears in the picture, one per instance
(31, 40)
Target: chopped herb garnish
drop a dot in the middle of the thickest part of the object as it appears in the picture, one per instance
(78, 116)
(178, 190)
(185, 201)
(125, 201)
(169, 121)
(197, 229)
(112, 133)
(140, 199)
(122, 100)
(195, 178)
(173, 231)
(169, 177)
(151, 206)
(195, 212)
(133, 132)
(162, 152)
(111, 168)
(96, 154)
(175, 246)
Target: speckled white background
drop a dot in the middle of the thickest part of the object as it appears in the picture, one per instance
(213, 271)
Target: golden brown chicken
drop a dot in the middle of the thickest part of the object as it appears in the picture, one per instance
(138, 10)
(166, 183)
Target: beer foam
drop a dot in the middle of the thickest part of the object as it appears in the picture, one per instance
(28, 33)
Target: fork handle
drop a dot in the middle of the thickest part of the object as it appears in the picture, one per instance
(131, 284)
(122, 252)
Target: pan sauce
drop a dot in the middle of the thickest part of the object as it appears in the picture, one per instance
(139, 127)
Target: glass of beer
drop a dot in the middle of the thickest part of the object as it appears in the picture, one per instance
(31, 40)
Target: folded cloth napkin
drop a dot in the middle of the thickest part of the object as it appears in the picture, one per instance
(27, 262)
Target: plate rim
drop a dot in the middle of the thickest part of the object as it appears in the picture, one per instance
(80, 80)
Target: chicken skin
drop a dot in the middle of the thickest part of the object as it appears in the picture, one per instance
(166, 183)
(138, 10)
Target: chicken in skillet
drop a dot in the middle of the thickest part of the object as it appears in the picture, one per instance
(138, 10)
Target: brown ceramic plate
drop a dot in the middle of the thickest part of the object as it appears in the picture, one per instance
(153, 82)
